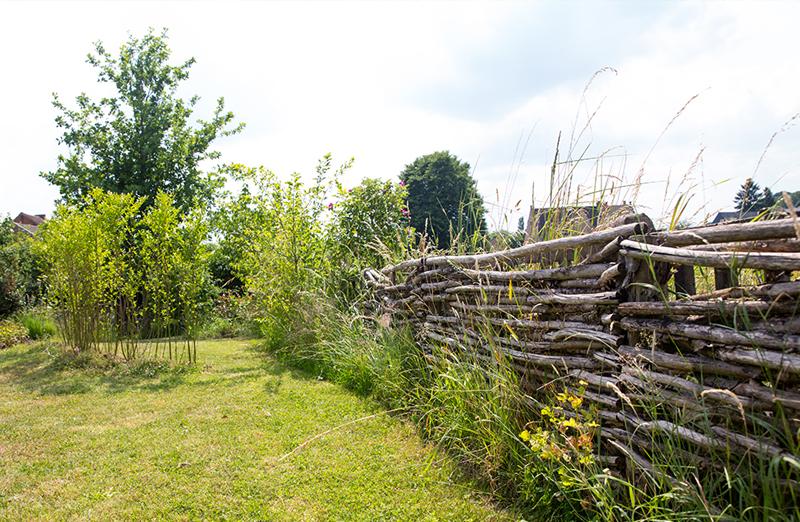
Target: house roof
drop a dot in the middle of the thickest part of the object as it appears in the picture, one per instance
(28, 223)
(29, 219)
(735, 215)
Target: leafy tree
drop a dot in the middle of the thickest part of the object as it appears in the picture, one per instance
(749, 196)
(139, 140)
(6, 231)
(443, 199)
(778, 198)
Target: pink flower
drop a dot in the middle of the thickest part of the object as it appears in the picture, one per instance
(402, 183)
(330, 206)
(404, 211)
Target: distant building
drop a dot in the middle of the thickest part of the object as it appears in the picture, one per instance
(28, 223)
(723, 217)
(570, 221)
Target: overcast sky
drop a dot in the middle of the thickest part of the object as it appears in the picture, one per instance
(494, 83)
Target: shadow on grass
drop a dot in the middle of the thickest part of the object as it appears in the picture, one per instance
(276, 363)
(44, 369)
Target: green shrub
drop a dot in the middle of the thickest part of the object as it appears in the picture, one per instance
(220, 328)
(20, 281)
(369, 228)
(39, 326)
(116, 274)
(11, 333)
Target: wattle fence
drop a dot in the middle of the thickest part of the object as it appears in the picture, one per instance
(709, 376)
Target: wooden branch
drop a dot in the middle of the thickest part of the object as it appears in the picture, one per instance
(525, 253)
(697, 390)
(487, 289)
(688, 363)
(756, 309)
(774, 291)
(773, 245)
(726, 260)
(558, 361)
(542, 324)
(479, 340)
(781, 362)
(748, 443)
(501, 308)
(686, 434)
(427, 275)
(608, 276)
(567, 334)
(760, 230)
(714, 334)
(545, 274)
(578, 283)
(439, 285)
(757, 391)
(600, 298)
(607, 253)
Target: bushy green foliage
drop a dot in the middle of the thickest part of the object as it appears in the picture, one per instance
(443, 200)
(277, 234)
(115, 274)
(233, 315)
(369, 228)
(11, 333)
(20, 284)
(173, 265)
(141, 140)
(88, 266)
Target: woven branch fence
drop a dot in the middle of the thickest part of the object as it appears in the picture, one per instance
(711, 377)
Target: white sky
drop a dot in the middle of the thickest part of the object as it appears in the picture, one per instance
(387, 82)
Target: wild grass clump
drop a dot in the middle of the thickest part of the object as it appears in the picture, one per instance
(39, 325)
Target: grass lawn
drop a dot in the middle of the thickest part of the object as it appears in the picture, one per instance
(83, 444)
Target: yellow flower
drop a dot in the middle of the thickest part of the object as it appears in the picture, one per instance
(525, 435)
(570, 423)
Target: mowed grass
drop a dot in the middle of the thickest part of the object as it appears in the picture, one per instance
(208, 444)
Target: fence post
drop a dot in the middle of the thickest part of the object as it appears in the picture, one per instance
(723, 278)
(684, 280)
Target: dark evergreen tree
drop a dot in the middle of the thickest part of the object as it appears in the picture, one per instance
(748, 197)
(443, 199)
(768, 199)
